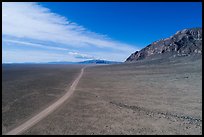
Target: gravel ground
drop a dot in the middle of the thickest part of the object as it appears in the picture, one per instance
(28, 89)
(156, 97)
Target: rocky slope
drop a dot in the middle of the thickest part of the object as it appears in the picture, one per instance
(184, 43)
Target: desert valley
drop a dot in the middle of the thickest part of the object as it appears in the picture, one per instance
(157, 90)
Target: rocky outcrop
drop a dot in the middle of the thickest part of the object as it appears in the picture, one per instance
(184, 43)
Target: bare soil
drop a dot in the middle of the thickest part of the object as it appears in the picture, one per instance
(152, 97)
(28, 89)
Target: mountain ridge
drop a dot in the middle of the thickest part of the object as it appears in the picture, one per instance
(98, 61)
(185, 42)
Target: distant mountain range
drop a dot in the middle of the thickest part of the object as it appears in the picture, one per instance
(65, 62)
(184, 43)
(99, 62)
(88, 62)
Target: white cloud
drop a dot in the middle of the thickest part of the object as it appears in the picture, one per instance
(34, 56)
(34, 44)
(82, 56)
(32, 21)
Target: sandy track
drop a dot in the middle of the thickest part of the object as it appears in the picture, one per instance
(28, 124)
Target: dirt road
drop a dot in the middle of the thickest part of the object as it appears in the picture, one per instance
(28, 124)
(143, 98)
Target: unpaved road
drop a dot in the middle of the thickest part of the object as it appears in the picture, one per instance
(28, 124)
(143, 98)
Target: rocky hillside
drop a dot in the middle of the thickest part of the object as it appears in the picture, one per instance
(184, 43)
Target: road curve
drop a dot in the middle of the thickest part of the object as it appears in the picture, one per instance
(32, 121)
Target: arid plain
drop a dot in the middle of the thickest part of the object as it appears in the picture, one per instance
(147, 97)
(29, 88)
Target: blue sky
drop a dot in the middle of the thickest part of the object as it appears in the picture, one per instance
(77, 31)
